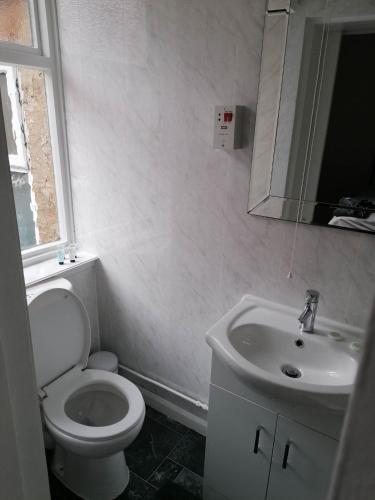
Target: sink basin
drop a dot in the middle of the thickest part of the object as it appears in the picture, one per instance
(261, 342)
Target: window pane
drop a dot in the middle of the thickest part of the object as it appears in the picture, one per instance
(27, 125)
(15, 23)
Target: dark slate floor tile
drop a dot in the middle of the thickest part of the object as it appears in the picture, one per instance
(172, 424)
(190, 482)
(167, 471)
(150, 448)
(168, 422)
(173, 491)
(153, 476)
(152, 413)
(138, 489)
(190, 451)
(58, 490)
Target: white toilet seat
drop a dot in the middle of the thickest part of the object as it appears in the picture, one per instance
(61, 391)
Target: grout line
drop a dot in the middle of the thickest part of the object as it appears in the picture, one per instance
(191, 472)
(144, 480)
(154, 470)
(184, 467)
(159, 465)
(174, 461)
(163, 459)
(179, 474)
(178, 434)
(198, 476)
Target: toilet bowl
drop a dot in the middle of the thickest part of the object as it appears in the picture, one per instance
(92, 415)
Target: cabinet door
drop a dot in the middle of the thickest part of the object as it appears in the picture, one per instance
(239, 448)
(302, 463)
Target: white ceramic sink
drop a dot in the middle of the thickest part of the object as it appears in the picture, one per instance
(259, 341)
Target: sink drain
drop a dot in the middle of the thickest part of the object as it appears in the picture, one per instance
(291, 371)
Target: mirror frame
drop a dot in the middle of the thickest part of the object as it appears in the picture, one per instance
(261, 202)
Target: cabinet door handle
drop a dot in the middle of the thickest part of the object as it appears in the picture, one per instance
(256, 442)
(286, 454)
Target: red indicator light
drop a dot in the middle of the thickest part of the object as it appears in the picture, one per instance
(228, 116)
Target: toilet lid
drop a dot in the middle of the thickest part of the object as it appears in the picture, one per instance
(60, 333)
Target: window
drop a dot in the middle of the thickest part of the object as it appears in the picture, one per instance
(31, 96)
(16, 22)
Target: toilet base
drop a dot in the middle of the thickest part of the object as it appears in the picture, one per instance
(91, 478)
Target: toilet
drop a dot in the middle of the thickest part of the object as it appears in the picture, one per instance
(92, 415)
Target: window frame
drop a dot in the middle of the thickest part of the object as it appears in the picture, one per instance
(45, 55)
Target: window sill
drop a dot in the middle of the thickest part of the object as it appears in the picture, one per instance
(36, 273)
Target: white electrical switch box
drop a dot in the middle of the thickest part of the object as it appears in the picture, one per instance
(227, 133)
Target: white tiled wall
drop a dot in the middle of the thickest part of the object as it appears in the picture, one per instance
(84, 285)
(83, 278)
(164, 211)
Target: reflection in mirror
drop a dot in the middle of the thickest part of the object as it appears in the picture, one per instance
(314, 153)
(343, 173)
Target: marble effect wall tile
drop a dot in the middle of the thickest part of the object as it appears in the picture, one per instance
(164, 211)
(84, 285)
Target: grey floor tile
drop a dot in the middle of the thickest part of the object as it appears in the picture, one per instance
(190, 482)
(190, 451)
(138, 489)
(167, 471)
(150, 448)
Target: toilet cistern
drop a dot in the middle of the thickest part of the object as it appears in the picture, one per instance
(307, 317)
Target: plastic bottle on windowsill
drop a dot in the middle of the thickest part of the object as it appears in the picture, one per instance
(72, 252)
(61, 255)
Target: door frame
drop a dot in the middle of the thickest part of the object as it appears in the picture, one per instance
(23, 469)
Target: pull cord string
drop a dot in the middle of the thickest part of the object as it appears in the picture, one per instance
(307, 161)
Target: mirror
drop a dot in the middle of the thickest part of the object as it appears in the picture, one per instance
(314, 143)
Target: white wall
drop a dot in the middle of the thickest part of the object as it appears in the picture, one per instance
(84, 285)
(164, 211)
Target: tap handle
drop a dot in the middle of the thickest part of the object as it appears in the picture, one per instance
(312, 296)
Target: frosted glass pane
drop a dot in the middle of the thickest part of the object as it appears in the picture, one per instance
(15, 24)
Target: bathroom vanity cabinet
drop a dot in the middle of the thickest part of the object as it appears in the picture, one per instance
(301, 463)
(261, 448)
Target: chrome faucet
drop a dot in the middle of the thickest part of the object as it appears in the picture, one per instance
(307, 318)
